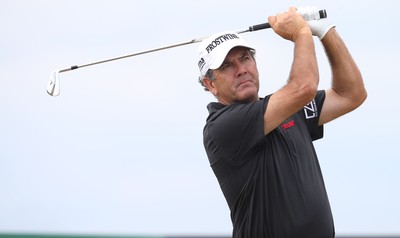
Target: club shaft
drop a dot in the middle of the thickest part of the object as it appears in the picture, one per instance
(131, 55)
(257, 27)
(251, 28)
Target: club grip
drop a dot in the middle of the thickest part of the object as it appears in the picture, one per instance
(259, 27)
(322, 14)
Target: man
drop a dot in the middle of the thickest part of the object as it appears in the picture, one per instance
(260, 149)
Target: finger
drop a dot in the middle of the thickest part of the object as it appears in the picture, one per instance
(272, 20)
(292, 9)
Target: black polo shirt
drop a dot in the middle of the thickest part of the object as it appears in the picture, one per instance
(272, 183)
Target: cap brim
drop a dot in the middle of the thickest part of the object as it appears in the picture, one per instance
(222, 55)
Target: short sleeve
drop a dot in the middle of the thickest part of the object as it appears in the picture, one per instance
(312, 112)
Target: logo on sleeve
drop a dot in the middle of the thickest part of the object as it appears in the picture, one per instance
(311, 110)
(288, 124)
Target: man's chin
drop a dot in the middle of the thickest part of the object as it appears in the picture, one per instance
(249, 95)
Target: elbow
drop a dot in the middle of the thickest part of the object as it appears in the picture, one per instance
(362, 96)
(309, 87)
(359, 94)
(303, 88)
(309, 91)
(357, 99)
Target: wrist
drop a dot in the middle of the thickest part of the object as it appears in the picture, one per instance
(301, 33)
(328, 32)
(320, 27)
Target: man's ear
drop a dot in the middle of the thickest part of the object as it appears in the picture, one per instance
(210, 85)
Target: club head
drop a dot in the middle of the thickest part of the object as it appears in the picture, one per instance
(53, 86)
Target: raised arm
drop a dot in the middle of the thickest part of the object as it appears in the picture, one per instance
(303, 80)
(347, 91)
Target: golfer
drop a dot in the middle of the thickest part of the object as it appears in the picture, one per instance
(260, 148)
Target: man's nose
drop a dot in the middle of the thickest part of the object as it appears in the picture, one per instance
(240, 68)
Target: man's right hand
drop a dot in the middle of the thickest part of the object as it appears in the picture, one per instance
(289, 25)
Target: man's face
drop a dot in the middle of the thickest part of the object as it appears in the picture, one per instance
(236, 80)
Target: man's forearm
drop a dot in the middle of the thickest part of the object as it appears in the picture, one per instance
(304, 68)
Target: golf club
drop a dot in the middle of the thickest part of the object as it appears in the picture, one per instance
(53, 87)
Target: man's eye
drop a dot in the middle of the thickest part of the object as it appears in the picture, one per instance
(225, 66)
(246, 57)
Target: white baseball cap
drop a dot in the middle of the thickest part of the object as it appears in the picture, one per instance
(213, 50)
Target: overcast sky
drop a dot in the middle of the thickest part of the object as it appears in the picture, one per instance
(120, 150)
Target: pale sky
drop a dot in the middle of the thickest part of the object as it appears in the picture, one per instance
(120, 150)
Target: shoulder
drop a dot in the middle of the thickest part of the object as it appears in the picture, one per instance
(237, 110)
